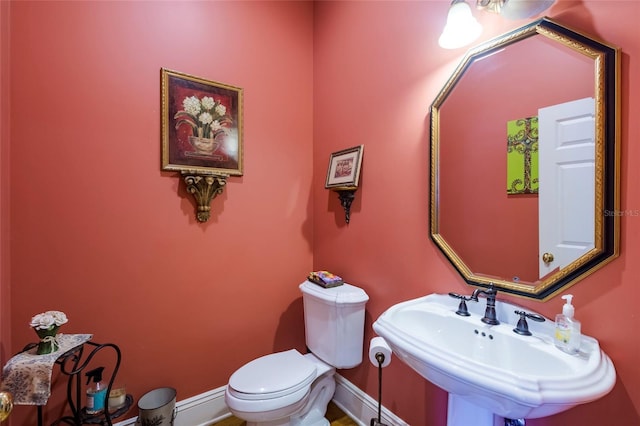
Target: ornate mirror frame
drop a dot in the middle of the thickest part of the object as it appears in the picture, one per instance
(606, 61)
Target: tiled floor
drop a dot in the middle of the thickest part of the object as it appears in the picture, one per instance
(334, 414)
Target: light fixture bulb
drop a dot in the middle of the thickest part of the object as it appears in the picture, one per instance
(461, 28)
(520, 9)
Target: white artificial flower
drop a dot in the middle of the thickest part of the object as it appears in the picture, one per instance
(221, 109)
(42, 321)
(205, 115)
(205, 118)
(48, 319)
(208, 102)
(191, 105)
(59, 317)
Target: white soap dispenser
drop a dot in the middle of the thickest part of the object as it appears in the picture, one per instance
(567, 336)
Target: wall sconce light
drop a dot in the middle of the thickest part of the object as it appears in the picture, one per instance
(462, 28)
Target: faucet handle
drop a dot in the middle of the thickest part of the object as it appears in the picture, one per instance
(462, 307)
(522, 327)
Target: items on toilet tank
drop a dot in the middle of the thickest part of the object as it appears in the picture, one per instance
(96, 391)
(567, 335)
(325, 279)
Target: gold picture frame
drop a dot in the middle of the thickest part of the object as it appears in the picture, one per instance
(344, 168)
(201, 125)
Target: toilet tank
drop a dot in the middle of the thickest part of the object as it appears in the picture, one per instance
(334, 323)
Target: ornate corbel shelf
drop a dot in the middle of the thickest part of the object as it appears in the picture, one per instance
(204, 187)
(346, 194)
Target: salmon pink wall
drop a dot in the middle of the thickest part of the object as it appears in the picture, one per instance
(377, 69)
(5, 296)
(99, 232)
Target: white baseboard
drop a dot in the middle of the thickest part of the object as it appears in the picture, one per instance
(209, 407)
(199, 410)
(360, 406)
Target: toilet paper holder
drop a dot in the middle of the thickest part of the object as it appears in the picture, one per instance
(377, 421)
(379, 351)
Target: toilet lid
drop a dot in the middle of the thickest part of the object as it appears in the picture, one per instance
(273, 375)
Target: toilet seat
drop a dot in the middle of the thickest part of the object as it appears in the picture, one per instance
(273, 376)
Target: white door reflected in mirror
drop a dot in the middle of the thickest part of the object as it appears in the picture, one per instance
(566, 200)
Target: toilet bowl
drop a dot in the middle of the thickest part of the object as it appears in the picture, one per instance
(284, 388)
(288, 388)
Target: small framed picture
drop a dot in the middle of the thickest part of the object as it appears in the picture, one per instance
(201, 125)
(344, 168)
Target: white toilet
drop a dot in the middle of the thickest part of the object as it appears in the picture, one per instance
(288, 388)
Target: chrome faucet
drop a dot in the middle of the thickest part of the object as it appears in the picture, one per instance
(490, 312)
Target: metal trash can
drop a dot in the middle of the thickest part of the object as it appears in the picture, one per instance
(157, 408)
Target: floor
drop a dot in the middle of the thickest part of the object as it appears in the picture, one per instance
(334, 414)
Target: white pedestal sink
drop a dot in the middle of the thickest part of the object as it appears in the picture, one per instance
(490, 372)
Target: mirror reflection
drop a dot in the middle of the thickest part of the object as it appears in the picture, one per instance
(519, 142)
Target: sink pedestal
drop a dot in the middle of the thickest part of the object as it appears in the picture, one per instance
(461, 412)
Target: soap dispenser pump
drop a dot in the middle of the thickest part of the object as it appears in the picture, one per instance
(567, 335)
(96, 391)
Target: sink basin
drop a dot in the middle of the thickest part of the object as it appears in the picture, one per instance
(489, 368)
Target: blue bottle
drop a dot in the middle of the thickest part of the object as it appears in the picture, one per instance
(96, 391)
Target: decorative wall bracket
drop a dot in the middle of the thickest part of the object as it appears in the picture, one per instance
(204, 187)
(343, 176)
(346, 196)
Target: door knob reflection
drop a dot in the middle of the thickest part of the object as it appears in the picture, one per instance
(547, 257)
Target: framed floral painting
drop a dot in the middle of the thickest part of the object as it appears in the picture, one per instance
(344, 168)
(201, 125)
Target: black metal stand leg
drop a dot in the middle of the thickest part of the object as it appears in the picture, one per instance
(378, 421)
(40, 422)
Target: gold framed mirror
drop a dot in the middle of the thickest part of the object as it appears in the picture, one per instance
(525, 160)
